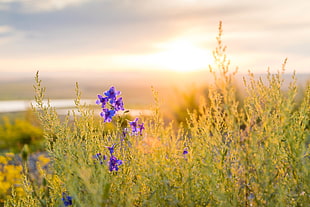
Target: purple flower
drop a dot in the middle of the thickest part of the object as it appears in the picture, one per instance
(110, 104)
(114, 163)
(141, 127)
(67, 200)
(119, 104)
(100, 158)
(111, 149)
(135, 127)
(185, 151)
(112, 93)
(125, 131)
(107, 114)
(102, 100)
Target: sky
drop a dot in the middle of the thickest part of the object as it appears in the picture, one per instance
(179, 35)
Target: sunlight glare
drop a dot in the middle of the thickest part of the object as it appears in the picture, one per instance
(182, 56)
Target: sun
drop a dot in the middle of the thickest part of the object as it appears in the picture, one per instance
(183, 56)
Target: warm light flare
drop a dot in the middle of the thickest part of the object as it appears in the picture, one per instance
(180, 55)
(184, 56)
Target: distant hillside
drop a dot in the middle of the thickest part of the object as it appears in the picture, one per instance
(135, 86)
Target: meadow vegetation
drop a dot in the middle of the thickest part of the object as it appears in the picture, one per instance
(224, 154)
(14, 134)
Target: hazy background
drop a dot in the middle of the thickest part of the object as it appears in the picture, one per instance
(134, 44)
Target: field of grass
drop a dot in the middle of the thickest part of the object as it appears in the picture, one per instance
(225, 153)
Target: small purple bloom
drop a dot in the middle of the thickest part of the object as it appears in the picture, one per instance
(67, 200)
(112, 93)
(114, 163)
(97, 156)
(135, 127)
(110, 104)
(141, 127)
(185, 151)
(102, 100)
(111, 149)
(119, 104)
(100, 158)
(107, 114)
(125, 131)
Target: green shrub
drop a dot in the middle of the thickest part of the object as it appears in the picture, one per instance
(15, 134)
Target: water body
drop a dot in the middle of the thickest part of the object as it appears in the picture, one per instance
(23, 105)
(62, 106)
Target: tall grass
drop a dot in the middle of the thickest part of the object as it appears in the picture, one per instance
(254, 155)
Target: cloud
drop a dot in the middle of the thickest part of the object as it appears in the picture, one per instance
(8, 34)
(33, 6)
(132, 27)
(5, 29)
